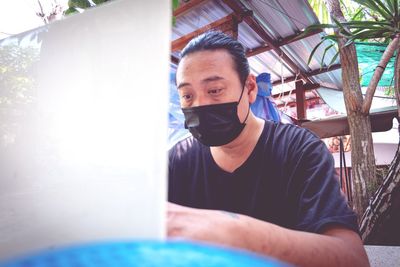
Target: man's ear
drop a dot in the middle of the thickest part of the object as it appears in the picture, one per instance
(252, 88)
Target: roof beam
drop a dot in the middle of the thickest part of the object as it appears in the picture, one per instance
(228, 24)
(324, 69)
(253, 23)
(174, 60)
(307, 87)
(293, 103)
(298, 36)
(186, 7)
(282, 42)
(258, 50)
(309, 74)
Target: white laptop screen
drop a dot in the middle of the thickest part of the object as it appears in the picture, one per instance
(83, 128)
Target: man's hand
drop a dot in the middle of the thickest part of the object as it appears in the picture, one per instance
(218, 227)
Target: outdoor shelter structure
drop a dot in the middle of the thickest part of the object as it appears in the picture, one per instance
(271, 33)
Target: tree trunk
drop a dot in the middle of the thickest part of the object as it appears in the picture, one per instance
(364, 181)
(380, 222)
(397, 82)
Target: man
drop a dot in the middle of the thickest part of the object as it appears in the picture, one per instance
(244, 182)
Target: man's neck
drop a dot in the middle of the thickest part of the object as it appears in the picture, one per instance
(231, 156)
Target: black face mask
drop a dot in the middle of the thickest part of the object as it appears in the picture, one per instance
(215, 125)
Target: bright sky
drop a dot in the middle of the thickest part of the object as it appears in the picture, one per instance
(17, 16)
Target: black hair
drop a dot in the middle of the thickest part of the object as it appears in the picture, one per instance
(213, 40)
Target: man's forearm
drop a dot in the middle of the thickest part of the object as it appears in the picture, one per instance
(334, 248)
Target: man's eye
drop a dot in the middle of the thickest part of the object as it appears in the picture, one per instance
(187, 97)
(214, 91)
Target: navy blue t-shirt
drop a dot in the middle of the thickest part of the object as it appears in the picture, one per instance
(288, 179)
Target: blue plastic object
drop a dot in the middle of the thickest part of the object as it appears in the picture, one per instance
(144, 253)
(176, 128)
(264, 107)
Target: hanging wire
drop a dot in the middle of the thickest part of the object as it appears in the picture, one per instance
(291, 90)
(282, 79)
(341, 166)
(281, 92)
(346, 173)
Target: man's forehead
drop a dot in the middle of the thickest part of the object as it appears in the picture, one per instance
(210, 65)
(210, 58)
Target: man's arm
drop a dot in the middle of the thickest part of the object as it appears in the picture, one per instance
(336, 246)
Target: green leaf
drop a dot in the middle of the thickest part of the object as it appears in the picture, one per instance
(175, 4)
(361, 23)
(331, 37)
(333, 59)
(357, 14)
(313, 52)
(384, 7)
(396, 8)
(70, 11)
(370, 34)
(314, 27)
(390, 6)
(319, 26)
(79, 3)
(98, 2)
(361, 27)
(343, 30)
(349, 42)
(377, 6)
(325, 51)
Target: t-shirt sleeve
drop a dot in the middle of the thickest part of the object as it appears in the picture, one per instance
(178, 176)
(318, 200)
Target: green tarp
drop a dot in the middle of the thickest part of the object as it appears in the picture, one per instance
(369, 55)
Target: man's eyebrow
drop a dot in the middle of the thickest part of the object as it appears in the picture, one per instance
(182, 85)
(206, 80)
(212, 79)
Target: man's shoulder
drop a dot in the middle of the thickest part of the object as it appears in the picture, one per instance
(184, 148)
(287, 133)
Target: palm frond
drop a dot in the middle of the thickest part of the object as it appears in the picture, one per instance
(377, 6)
(356, 16)
(333, 58)
(313, 51)
(325, 51)
(396, 8)
(341, 27)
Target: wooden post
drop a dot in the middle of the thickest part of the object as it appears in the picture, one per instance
(300, 101)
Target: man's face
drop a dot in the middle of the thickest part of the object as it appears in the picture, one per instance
(209, 77)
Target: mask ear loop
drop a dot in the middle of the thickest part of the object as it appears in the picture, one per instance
(247, 115)
(241, 94)
(248, 111)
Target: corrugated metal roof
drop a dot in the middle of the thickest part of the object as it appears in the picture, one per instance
(248, 37)
(280, 19)
(198, 17)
